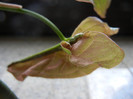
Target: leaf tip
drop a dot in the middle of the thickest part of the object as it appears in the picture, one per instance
(9, 5)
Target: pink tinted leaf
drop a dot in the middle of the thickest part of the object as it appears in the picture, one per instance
(8, 5)
(101, 50)
(55, 65)
(100, 6)
(95, 24)
(92, 50)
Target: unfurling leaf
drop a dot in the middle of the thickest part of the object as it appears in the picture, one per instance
(92, 50)
(100, 6)
(95, 24)
(66, 47)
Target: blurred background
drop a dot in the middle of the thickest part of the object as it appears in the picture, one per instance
(66, 14)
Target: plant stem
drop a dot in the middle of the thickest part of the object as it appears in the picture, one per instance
(52, 49)
(38, 16)
(42, 53)
(46, 21)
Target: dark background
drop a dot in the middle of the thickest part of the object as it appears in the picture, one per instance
(66, 14)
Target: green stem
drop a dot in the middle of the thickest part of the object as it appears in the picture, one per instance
(52, 49)
(42, 53)
(38, 16)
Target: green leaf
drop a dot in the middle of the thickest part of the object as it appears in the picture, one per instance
(100, 6)
(95, 24)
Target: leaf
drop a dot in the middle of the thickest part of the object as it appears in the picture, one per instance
(96, 48)
(100, 6)
(95, 24)
(66, 47)
(55, 65)
(92, 50)
(9, 5)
